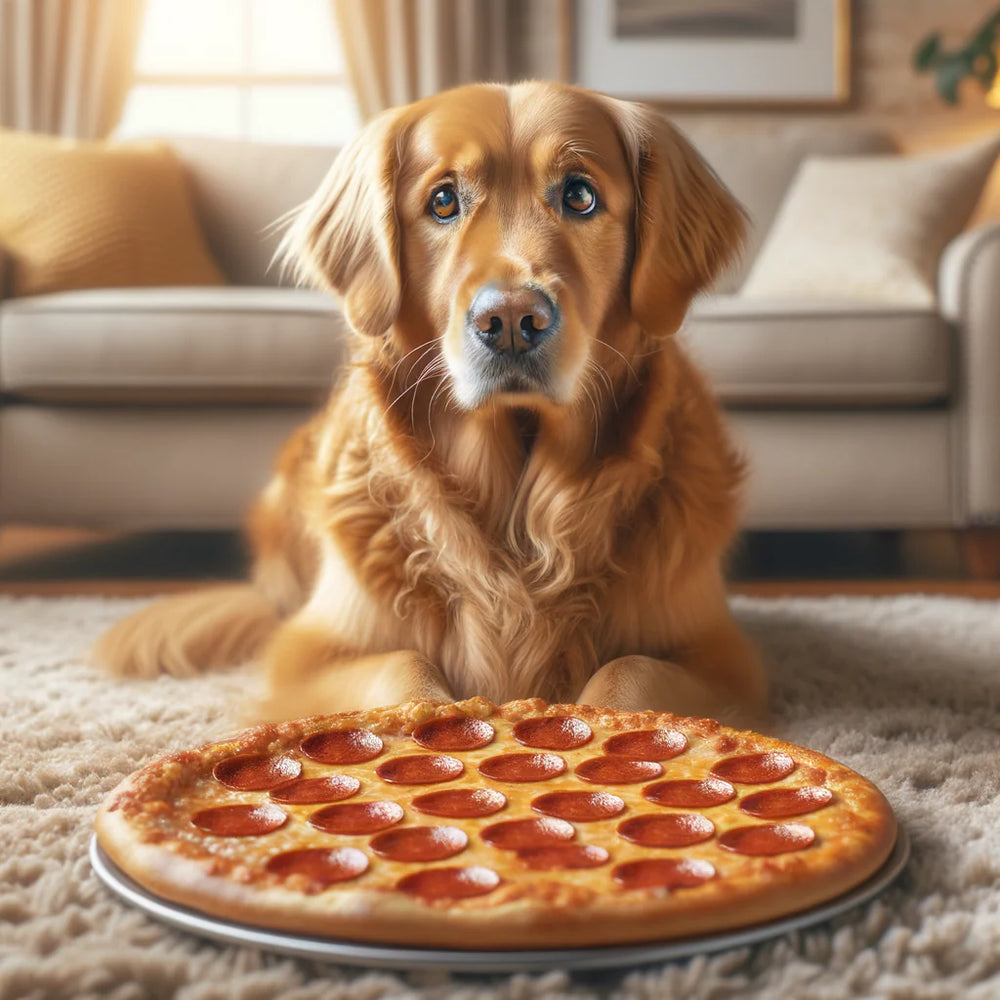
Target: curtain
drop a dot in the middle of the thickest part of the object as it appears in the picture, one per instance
(400, 50)
(66, 65)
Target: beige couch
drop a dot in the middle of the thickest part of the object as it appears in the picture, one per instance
(163, 408)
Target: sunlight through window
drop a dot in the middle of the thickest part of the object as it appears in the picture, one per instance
(266, 70)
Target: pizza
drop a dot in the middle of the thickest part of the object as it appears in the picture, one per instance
(479, 826)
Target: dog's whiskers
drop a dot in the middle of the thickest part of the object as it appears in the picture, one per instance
(427, 349)
(424, 350)
(597, 419)
(434, 367)
(430, 372)
(628, 364)
(430, 407)
(612, 395)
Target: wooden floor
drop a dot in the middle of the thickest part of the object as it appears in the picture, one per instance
(60, 562)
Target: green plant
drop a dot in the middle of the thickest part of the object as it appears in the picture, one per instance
(976, 59)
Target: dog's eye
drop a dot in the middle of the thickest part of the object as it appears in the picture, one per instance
(579, 196)
(444, 203)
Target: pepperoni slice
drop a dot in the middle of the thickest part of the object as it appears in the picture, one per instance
(420, 769)
(515, 834)
(461, 803)
(321, 865)
(523, 766)
(563, 856)
(244, 820)
(357, 817)
(667, 829)
(663, 873)
(558, 732)
(755, 768)
(450, 883)
(454, 732)
(769, 838)
(777, 803)
(255, 772)
(647, 744)
(617, 770)
(419, 843)
(690, 793)
(579, 807)
(309, 791)
(343, 746)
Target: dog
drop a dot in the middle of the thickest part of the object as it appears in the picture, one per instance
(520, 486)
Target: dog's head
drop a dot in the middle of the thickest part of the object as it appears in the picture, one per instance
(518, 235)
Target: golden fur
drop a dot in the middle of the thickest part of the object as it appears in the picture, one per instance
(425, 536)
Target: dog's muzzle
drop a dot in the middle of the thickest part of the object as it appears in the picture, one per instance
(510, 335)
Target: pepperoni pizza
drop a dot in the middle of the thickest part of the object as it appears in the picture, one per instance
(473, 825)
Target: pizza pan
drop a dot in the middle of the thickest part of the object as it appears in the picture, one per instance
(409, 959)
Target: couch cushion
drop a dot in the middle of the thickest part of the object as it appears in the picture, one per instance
(283, 346)
(758, 352)
(252, 345)
(242, 193)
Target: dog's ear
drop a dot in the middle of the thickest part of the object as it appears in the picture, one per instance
(688, 227)
(345, 239)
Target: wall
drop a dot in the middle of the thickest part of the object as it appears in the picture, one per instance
(884, 35)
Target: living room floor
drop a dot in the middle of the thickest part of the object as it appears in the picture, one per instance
(76, 561)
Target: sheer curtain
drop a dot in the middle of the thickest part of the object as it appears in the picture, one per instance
(66, 65)
(400, 50)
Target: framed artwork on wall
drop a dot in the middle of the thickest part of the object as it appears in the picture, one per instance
(710, 53)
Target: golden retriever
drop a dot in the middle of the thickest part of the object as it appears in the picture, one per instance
(520, 486)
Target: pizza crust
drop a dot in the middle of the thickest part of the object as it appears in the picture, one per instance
(152, 841)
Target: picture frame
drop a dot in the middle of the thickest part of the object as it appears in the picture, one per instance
(710, 54)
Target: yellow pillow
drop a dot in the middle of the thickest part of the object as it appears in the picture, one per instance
(96, 215)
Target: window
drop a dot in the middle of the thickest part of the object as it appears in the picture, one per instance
(266, 70)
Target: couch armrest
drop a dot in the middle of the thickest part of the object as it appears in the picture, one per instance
(969, 293)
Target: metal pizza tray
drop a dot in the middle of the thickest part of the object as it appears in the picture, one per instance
(406, 958)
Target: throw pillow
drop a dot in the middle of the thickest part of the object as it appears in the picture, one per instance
(758, 161)
(870, 228)
(96, 215)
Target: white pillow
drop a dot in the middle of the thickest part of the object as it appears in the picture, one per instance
(870, 227)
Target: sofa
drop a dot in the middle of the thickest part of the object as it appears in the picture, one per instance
(162, 408)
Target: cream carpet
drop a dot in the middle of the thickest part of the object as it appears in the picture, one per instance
(906, 690)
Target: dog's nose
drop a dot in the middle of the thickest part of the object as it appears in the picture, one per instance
(512, 320)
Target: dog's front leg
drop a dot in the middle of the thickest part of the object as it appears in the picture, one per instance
(717, 675)
(308, 673)
(641, 683)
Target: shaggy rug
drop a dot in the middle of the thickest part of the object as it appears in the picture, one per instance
(905, 690)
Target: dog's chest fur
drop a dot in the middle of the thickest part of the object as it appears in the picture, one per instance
(504, 565)
(502, 585)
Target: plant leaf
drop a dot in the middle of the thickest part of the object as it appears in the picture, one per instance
(950, 73)
(927, 53)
